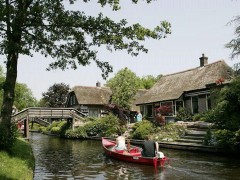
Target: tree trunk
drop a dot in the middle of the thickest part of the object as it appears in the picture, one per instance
(8, 100)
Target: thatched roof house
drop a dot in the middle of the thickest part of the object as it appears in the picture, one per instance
(89, 100)
(188, 88)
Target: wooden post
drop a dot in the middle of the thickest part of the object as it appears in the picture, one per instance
(73, 119)
(27, 127)
(24, 129)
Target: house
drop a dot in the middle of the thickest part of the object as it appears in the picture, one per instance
(89, 100)
(92, 100)
(189, 89)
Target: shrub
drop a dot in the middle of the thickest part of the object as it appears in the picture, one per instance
(183, 115)
(142, 129)
(210, 138)
(225, 139)
(169, 132)
(55, 130)
(105, 126)
(79, 132)
(57, 127)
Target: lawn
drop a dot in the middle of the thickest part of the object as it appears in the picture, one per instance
(19, 164)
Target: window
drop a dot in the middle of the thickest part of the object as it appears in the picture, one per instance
(179, 104)
(93, 112)
(142, 110)
(195, 104)
(209, 104)
(149, 111)
(72, 100)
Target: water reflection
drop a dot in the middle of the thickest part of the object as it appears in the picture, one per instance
(73, 159)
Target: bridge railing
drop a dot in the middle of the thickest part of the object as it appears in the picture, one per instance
(43, 112)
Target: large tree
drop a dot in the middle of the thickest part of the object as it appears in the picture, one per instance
(124, 86)
(69, 37)
(56, 95)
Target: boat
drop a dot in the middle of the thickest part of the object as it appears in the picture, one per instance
(133, 154)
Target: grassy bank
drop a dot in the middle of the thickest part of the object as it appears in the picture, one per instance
(19, 164)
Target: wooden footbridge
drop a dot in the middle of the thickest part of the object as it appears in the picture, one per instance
(45, 116)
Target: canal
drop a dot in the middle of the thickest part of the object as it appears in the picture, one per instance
(74, 159)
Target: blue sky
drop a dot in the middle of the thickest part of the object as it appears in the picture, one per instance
(198, 26)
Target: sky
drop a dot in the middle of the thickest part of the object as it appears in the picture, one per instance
(198, 26)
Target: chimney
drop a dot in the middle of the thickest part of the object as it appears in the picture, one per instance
(98, 84)
(203, 60)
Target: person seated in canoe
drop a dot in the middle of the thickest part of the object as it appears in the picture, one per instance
(150, 148)
(120, 143)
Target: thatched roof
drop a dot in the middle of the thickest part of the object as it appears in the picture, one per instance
(139, 94)
(92, 95)
(172, 86)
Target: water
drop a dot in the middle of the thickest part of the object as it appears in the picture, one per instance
(74, 159)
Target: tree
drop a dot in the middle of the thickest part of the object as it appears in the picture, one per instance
(124, 86)
(24, 97)
(226, 114)
(56, 95)
(234, 44)
(69, 37)
(149, 80)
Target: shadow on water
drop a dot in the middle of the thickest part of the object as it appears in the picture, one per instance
(73, 159)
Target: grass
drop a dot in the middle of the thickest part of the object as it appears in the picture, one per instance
(19, 164)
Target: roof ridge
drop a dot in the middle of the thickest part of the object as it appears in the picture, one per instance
(194, 68)
(89, 86)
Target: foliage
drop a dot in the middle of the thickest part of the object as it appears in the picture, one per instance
(24, 97)
(56, 95)
(19, 164)
(236, 68)
(164, 110)
(121, 113)
(209, 138)
(57, 128)
(68, 36)
(124, 86)
(226, 114)
(169, 132)
(199, 117)
(234, 44)
(142, 129)
(183, 115)
(105, 126)
(77, 133)
(6, 142)
(148, 81)
(225, 139)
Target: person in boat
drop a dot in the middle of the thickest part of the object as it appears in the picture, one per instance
(150, 148)
(120, 143)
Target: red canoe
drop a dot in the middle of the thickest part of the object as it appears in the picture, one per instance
(133, 155)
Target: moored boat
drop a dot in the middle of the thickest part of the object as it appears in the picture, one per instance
(133, 154)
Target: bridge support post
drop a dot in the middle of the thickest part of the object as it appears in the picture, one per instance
(73, 122)
(26, 127)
